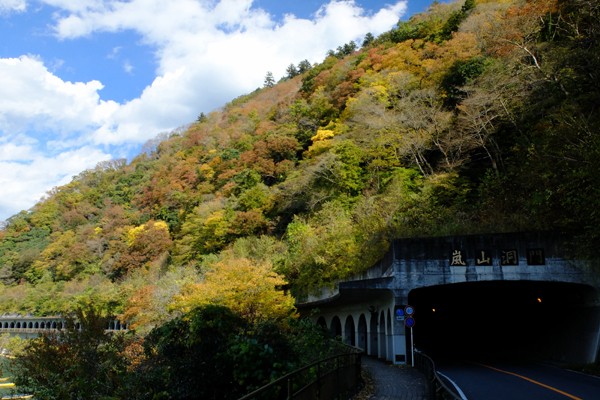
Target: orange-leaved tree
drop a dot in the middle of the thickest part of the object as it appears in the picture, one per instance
(251, 289)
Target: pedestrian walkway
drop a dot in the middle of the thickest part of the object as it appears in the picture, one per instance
(394, 382)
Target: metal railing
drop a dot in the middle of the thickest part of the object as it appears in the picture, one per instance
(439, 389)
(335, 377)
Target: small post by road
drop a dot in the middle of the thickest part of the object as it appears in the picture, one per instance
(410, 322)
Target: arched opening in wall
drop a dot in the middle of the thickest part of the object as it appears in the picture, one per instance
(322, 323)
(30, 325)
(5, 325)
(12, 325)
(362, 332)
(36, 325)
(53, 325)
(336, 327)
(42, 325)
(373, 335)
(18, 325)
(349, 332)
(382, 339)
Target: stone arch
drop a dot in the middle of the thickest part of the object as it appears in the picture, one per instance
(336, 327)
(322, 323)
(12, 325)
(53, 325)
(36, 325)
(18, 326)
(373, 335)
(382, 338)
(30, 325)
(349, 332)
(361, 339)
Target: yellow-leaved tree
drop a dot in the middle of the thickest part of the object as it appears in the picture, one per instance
(251, 289)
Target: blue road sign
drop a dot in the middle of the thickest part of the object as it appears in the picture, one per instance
(399, 314)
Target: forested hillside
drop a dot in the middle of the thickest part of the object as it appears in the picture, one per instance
(476, 116)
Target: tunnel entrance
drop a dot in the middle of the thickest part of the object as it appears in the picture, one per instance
(519, 320)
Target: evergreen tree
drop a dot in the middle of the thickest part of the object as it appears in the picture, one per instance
(291, 71)
(269, 80)
(304, 66)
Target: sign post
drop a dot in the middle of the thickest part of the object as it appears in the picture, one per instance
(410, 322)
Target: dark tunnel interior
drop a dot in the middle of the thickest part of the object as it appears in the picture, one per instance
(499, 320)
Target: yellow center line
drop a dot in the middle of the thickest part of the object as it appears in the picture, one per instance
(533, 381)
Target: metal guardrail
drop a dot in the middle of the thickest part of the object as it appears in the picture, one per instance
(330, 378)
(439, 389)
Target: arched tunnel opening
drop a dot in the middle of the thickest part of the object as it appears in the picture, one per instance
(521, 320)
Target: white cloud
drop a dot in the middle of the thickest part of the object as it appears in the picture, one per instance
(7, 6)
(207, 53)
(31, 97)
(41, 122)
(114, 53)
(27, 174)
(128, 67)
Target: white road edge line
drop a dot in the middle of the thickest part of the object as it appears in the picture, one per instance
(460, 392)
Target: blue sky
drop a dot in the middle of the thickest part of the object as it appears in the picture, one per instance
(85, 81)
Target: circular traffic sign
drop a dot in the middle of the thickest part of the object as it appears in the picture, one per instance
(399, 314)
(409, 310)
(409, 322)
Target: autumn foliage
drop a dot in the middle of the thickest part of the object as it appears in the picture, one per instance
(475, 116)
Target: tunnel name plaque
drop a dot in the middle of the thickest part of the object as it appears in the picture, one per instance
(503, 257)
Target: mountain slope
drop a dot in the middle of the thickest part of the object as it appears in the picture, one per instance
(477, 116)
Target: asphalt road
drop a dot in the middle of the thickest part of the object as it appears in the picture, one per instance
(503, 381)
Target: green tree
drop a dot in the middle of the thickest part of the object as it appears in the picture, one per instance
(269, 80)
(85, 363)
(189, 356)
(291, 71)
(369, 38)
(304, 66)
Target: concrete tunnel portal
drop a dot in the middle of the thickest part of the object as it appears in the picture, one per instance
(522, 320)
(517, 296)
